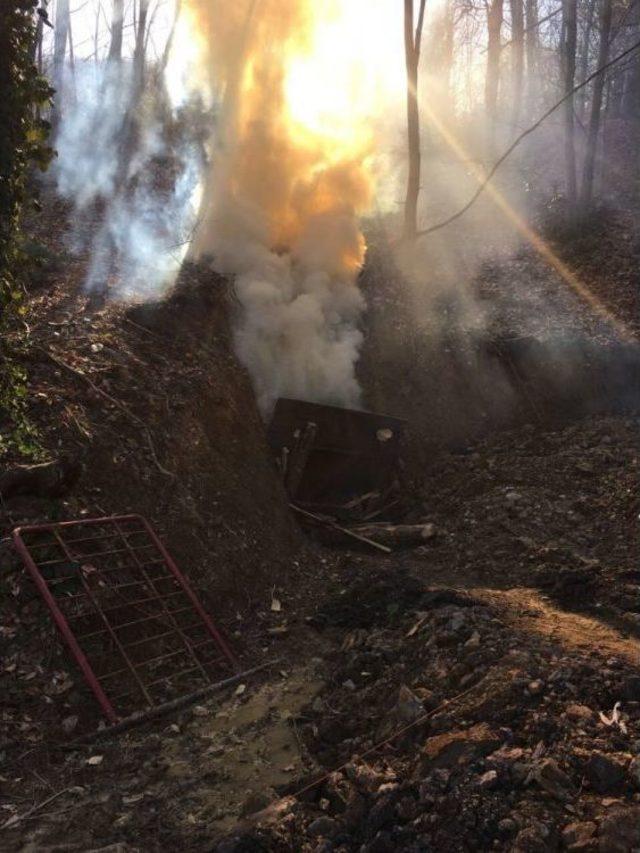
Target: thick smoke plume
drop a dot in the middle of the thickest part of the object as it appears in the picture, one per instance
(282, 203)
(113, 159)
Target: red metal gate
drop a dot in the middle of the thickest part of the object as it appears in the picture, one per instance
(133, 624)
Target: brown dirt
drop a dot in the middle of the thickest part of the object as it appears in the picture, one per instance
(447, 698)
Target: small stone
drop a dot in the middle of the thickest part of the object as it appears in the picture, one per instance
(579, 713)
(459, 747)
(536, 687)
(457, 622)
(473, 642)
(620, 831)
(408, 707)
(579, 836)
(553, 779)
(349, 684)
(606, 776)
(507, 826)
(69, 724)
(630, 689)
(256, 802)
(325, 826)
(532, 839)
(488, 780)
(200, 711)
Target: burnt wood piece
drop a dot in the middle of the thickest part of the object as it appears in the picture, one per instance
(344, 531)
(396, 535)
(47, 480)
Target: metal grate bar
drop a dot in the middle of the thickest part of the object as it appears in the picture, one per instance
(169, 613)
(109, 648)
(107, 625)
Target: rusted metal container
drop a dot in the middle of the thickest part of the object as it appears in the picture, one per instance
(329, 455)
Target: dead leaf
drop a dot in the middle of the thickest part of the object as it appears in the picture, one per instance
(276, 606)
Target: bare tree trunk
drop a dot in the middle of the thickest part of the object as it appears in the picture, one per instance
(584, 56)
(568, 47)
(139, 51)
(615, 93)
(532, 44)
(596, 104)
(447, 48)
(631, 92)
(60, 38)
(517, 56)
(412, 42)
(495, 10)
(115, 47)
(631, 97)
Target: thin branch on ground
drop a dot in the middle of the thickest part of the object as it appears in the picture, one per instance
(117, 403)
(15, 819)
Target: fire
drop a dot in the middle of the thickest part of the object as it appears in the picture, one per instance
(336, 89)
(299, 86)
(303, 84)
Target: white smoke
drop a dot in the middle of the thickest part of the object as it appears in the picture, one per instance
(298, 332)
(281, 212)
(117, 177)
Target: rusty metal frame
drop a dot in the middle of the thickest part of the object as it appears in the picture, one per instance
(119, 528)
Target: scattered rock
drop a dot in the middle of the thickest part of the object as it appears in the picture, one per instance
(325, 826)
(630, 689)
(579, 713)
(533, 839)
(408, 707)
(605, 775)
(579, 836)
(488, 780)
(620, 831)
(552, 779)
(256, 802)
(458, 747)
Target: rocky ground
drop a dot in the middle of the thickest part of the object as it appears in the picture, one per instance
(480, 692)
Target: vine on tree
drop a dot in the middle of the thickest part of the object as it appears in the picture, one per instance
(23, 145)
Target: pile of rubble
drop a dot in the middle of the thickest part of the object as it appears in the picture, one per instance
(453, 728)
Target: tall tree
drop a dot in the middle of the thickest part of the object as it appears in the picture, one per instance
(585, 50)
(117, 22)
(495, 14)
(517, 56)
(532, 44)
(412, 41)
(631, 94)
(568, 62)
(139, 50)
(596, 104)
(60, 39)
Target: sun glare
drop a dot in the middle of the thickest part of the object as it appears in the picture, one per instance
(353, 66)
